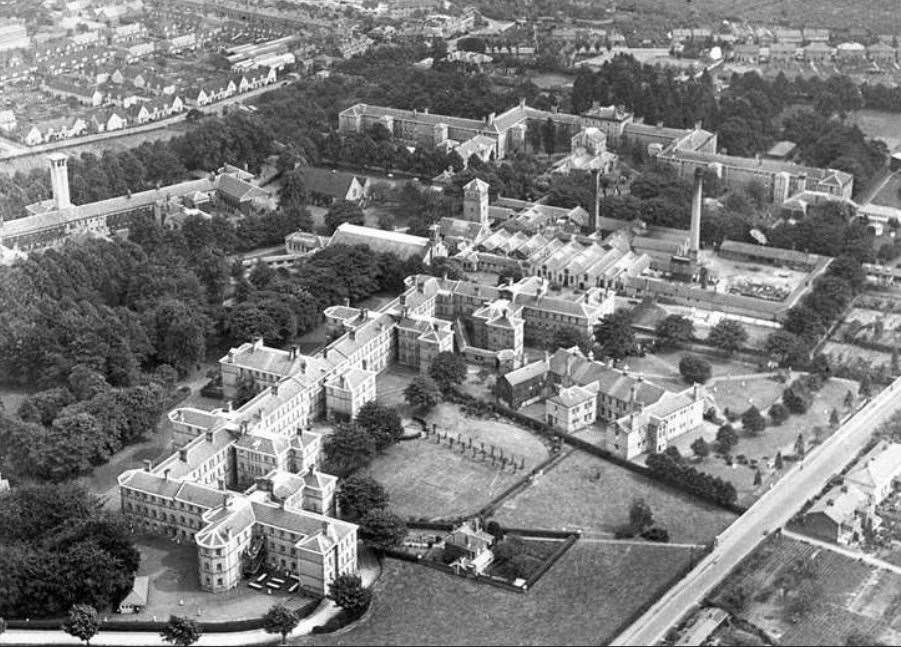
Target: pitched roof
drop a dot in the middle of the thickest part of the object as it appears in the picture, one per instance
(328, 182)
(404, 246)
(839, 503)
(877, 467)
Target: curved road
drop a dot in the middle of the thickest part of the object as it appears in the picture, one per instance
(770, 512)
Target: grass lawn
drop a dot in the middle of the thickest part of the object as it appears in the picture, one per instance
(175, 587)
(390, 385)
(507, 437)
(847, 595)
(763, 392)
(430, 480)
(583, 600)
(739, 395)
(589, 493)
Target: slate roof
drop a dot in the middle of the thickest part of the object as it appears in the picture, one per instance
(328, 182)
(403, 246)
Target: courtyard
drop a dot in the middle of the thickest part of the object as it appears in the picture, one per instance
(175, 588)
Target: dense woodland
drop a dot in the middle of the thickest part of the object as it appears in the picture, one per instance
(59, 548)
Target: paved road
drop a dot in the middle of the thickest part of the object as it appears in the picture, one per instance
(770, 512)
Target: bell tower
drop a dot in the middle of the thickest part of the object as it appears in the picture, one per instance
(475, 202)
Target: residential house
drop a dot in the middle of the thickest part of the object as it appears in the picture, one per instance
(68, 87)
(238, 196)
(107, 120)
(837, 516)
(196, 97)
(817, 52)
(7, 121)
(469, 547)
(882, 54)
(876, 472)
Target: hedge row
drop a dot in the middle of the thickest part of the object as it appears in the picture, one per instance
(227, 626)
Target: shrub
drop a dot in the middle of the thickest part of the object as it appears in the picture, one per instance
(778, 413)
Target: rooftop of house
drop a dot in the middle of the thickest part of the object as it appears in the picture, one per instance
(839, 503)
(878, 467)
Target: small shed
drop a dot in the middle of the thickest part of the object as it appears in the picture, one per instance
(136, 600)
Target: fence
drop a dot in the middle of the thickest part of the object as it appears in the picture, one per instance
(248, 624)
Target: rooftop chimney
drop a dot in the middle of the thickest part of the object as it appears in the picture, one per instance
(148, 464)
(209, 436)
(697, 199)
(166, 473)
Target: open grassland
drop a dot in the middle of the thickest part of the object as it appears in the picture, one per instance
(585, 599)
(594, 495)
(430, 480)
(844, 595)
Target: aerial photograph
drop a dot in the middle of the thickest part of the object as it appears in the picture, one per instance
(450, 322)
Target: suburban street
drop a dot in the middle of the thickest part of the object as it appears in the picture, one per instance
(769, 513)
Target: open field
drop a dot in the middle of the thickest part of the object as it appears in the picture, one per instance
(844, 595)
(889, 194)
(881, 125)
(509, 438)
(849, 353)
(175, 588)
(426, 479)
(589, 493)
(583, 600)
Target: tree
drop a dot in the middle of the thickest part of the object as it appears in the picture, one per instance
(834, 419)
(382, 529)
(700, 447)
(348, 449)
(181, 631)
(640, 516)
(752, 421)
(673, 452)
(615, 335)
(83, 622)
(800, 447)
(866, 386)
(280, 620)
(447, 369)
(84, 382)
(569, 337)
(343, 212)
(422, 394)
(849, 399)
(778, 461)
(348, 592)
(797, 397)
(726, 438)
(785, 348)
(728, 335)
(674, 330)
(778, 413)
(359, 494)
(382, 422)
(44, 406)
(694, 370)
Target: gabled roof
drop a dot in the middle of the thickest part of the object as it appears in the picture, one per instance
(839, 503)
(328, 182)
(877, 467)
(404, 246)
